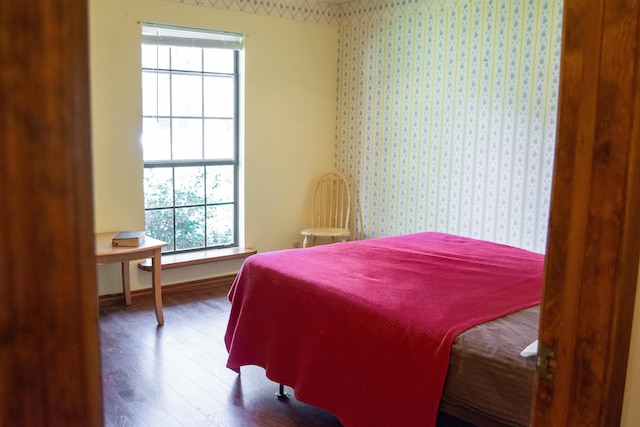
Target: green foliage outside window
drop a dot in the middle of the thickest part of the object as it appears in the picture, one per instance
(190, 207)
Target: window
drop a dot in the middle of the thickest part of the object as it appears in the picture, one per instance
(190, 109)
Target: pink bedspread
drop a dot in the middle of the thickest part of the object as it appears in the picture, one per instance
(364, 329)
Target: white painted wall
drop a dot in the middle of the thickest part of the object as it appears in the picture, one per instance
(289, 122)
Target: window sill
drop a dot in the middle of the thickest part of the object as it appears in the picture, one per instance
(199, 257)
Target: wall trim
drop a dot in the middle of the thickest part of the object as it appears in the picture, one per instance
(314, 11)
(209, 282)
(329, 13)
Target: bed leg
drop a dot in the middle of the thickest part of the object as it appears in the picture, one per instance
(281, 395)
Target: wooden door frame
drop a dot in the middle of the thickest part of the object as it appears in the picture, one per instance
(591, 269)
(49, 341)
(48, 324)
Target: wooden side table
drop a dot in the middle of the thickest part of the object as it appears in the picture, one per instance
(106, 253)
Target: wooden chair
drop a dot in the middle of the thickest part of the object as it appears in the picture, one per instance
(330, 210)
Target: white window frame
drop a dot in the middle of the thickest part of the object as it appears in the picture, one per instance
(176, 37)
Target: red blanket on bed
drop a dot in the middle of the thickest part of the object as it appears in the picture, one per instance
(364, 329)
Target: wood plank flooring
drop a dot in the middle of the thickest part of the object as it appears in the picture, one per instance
(175, 375)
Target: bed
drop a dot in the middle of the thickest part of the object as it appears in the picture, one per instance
(390, 331)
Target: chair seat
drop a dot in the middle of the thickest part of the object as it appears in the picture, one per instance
(326, 232)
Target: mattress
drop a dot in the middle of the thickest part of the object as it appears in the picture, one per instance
(489, 383)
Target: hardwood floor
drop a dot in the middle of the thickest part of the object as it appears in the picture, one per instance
(175, 375)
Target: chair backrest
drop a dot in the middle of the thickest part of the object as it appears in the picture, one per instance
(331, 202)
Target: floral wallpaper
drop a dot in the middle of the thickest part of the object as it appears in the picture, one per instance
(446, 113)
(447, 116)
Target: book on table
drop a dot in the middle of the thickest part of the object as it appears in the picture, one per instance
(128, 238)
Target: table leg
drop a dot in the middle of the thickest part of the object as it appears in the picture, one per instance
(126, 288)
(156, 278)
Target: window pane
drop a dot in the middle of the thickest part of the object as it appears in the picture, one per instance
(218, 139)
(148, 57)
(190, 228)
(159, 224)
(158, 187)
(156, 139)
(220, 184)
(218, 60)
(189, 186)
(187, 139)
(155, 94)
(155, 56)
(164, 95)
(149, 93)
(218, 96)
(220, 225)
(187, 95)
(186, 58)
(164, 57)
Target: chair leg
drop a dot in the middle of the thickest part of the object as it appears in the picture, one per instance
(304, 242)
